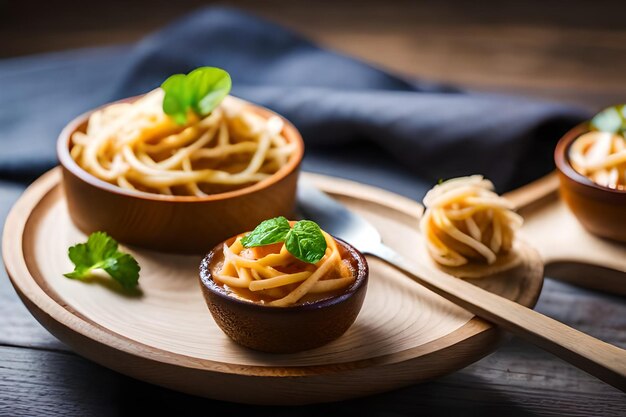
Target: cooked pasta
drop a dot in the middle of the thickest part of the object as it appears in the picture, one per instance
(271, 275)
(137, 146)
(601, 156)
(465, 220)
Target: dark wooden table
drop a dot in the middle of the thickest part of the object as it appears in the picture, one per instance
(571, 51)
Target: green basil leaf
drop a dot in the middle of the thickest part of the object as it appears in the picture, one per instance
(200, 91)
(269, 231)
(101, 252)
(210, 86)
(124, 269)
(610, 119)
(175, 103)
(101, 246)
(80, 257)
(306, 242)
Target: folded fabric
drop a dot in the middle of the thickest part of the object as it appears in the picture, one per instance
(357, 121)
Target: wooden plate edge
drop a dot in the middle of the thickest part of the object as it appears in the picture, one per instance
(41, 303)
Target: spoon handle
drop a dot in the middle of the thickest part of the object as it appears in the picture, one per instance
(600, 359)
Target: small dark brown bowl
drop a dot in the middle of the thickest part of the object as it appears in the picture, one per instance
(284, 329)
(179, 224)
(601, 210)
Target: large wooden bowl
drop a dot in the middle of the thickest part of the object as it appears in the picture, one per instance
(601, 210)
(179, 224)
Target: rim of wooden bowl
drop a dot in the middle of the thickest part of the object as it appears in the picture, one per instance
(289, 131)
(563, 164)
(361, 279)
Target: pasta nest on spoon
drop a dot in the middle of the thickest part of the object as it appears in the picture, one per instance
(467, 222)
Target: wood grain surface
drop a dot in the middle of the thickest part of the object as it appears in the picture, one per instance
(163, 333)
(584, 259)
(160, 324)
(603, 360)
(548, 49)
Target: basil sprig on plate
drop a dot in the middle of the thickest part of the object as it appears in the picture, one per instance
(101, 252)
(611, 119)
(200, 91)
(304, 240)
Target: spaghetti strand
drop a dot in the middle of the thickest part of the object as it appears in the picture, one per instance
(279, 279)
(137, 146)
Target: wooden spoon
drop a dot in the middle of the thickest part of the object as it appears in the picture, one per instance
(605, 361)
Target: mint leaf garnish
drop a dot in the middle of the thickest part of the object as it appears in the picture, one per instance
(269, 231)
(304, 240)
(611, 119)
(200, 91)
(101, 252)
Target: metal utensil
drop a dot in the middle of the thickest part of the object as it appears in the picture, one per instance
(605, 361)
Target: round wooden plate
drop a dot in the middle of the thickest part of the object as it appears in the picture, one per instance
(165, 335)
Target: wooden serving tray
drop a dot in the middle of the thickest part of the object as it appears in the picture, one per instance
(165, 334)
(404, 334)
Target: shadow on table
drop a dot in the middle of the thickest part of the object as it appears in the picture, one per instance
(44, 382)
(445, 397)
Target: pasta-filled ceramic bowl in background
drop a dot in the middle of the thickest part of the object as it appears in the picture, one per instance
(285, 329)
(177, 223)
(601, 210)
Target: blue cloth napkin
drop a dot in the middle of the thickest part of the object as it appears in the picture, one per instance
(357, 121)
